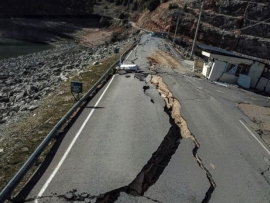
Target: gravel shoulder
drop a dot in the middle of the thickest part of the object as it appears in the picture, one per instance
(261, 116)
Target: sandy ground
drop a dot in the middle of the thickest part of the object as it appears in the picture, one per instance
(94, 37)
(261, 116)
(167, 61)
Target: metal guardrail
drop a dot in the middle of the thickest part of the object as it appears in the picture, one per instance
(13, 183)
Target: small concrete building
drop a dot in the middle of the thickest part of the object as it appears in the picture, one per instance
(229, 67)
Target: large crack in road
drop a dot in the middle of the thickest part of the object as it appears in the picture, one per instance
(175, 106)
(155, 166)
(161, 158)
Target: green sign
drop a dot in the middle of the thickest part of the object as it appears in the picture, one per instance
(116, 50)
(76, 87)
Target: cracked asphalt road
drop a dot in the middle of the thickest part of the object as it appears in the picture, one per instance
(128, 126)
(230, 153)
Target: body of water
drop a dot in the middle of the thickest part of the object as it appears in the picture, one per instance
(10, 48)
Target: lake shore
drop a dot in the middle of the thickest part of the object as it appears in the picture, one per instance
(46, 30)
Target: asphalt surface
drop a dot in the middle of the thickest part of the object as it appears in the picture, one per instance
(124, 126)
(233, 157)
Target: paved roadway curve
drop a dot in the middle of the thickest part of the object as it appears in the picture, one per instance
(119, 130)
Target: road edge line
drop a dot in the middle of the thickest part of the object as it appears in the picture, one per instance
(254, 136)
(44, 187)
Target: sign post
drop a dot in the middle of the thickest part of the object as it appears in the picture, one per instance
(116, 51)
(77, 88)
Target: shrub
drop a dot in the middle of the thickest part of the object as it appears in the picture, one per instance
(104, 21)
(123, 15)
(114, 37)
(134, 6)
(173, 6)
(125, 2)
(118, 2)
(125, 21)
(153, 4)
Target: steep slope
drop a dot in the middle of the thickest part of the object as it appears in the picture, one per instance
(238, 25)
(241, 26)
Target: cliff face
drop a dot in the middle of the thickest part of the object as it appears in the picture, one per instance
(241, 26)
(237, 25)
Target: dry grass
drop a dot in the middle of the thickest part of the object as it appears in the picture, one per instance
(23, 137)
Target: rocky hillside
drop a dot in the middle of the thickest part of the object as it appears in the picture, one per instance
(238, 25)
(25, 80)
(241, 26)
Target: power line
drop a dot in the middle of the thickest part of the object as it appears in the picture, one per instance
(249, 26)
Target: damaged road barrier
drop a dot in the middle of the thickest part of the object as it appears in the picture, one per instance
(130, 67)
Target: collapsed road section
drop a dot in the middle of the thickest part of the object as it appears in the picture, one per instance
(161, 158)
(175, 107)
(156, 169)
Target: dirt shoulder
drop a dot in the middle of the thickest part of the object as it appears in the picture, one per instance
(261, 116)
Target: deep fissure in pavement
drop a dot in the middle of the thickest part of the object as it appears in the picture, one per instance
(175, 105)
(161, 158)
(153, 169)
(155, 166)
(158, 162)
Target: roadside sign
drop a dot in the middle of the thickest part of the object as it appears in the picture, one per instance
(76, 87)
(116, 50)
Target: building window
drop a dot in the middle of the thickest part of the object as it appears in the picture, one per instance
(231, 68)
(237, 69)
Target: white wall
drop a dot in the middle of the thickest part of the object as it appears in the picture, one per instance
(228, 78)
(217, 70)
(206, 69)
(255, 73)
(198, 65)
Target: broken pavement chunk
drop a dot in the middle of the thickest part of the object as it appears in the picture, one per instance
(130, 67)
(69, 196)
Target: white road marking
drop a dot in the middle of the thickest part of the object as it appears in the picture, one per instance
(132, 51)
(70, 146)
(255, 137)
(128, 55)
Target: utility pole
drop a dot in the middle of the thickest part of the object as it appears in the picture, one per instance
(169, 28)
(196, 33)
(176, 29)
(165, 25)
(222, 38)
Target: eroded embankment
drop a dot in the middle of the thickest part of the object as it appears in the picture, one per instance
(175, 107)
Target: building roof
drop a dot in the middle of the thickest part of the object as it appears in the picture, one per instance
(216, 50)
(229, 59)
